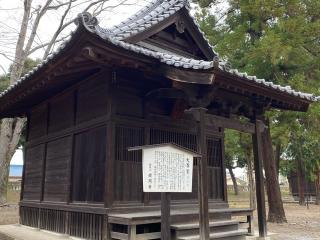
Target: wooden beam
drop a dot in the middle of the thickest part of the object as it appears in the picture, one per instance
(223, 122)
(258, 166)
(187, 75)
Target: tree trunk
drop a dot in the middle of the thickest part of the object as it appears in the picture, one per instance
(251, 182)
(4, 186)
(301, 181)
(276, 210)
(234, 181)
(277, 154)
(317, 183)
(10, 129)
(10, 132)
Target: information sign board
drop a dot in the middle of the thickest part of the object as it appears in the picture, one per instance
(167, 169)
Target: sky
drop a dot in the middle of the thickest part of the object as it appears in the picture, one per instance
(11, 15)
(11, 12)
(17, 158)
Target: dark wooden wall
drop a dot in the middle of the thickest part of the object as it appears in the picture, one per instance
(66, 145)
(78, 140)
(140, 121)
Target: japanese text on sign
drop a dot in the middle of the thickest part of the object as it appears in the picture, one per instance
(167, 170)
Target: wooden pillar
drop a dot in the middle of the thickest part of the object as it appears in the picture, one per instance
(258, 166)
(199, 115)
(110, 148)
(165, 216)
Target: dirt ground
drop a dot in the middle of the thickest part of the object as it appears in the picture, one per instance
(9, 214)
(303, 223)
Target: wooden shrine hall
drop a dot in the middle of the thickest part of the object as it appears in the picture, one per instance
(152, 79)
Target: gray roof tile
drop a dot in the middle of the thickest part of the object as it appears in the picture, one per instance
(146, 18)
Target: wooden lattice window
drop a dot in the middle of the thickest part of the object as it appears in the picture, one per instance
(187, 140)
(128, 137)
(214, 152)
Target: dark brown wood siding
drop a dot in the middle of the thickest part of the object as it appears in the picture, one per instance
(67, 128)
(88, 165)
(92, 99)
(38, 122)
(33, 172)
(61, 112)
(57, 170)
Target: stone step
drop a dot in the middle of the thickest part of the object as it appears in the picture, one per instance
(185, 229)
(230, 235)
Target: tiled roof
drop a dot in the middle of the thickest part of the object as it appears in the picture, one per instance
(154, 13)
(133, 24)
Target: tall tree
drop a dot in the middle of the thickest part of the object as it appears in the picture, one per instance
(26, 44)
(235, 154)
(278, 41)
(276, 210)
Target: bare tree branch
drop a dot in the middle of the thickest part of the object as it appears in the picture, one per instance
(5, 72)
(18, 61)
(46, 44)
(63, 25)
(61, 4)
(6, 56)
(35, 26)
(56, 34)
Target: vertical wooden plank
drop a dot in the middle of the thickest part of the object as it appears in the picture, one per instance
(70, 167)
(72, 159)
(223, 168)
(132, 232)
(24, 158)
(23, 172)
(66, 223)
(203, 177)
(43, 177)
(199, 115)
(109, 169)
(258, 161)
(110, 148)
(165, 216)
(43, 174)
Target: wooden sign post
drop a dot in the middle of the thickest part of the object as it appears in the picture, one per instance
(167, 168)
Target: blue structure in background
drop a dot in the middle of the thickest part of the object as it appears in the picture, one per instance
(15, 170)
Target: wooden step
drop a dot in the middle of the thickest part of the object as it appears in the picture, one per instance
(187, 229)
(183, 226)
(176, 216)
(230, 235)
